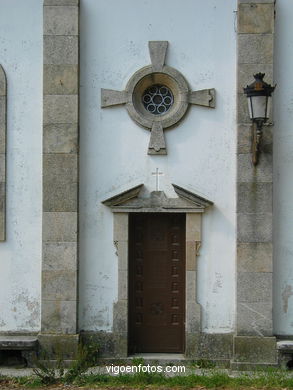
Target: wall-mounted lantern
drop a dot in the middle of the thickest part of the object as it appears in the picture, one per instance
(258, 97)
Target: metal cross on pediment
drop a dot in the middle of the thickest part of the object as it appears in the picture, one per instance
(157, 97)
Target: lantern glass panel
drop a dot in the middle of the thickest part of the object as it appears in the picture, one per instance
(259, 107)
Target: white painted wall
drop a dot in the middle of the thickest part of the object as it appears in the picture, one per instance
(20, 255)
(201, 150)
(283, 169)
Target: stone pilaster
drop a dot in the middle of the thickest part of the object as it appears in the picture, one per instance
(60, 169)
(3, 93)
(254, 191)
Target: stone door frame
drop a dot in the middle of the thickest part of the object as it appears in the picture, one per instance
(192, 309)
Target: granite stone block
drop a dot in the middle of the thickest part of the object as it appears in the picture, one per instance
(61, 20)
(2, 124)
(254, 319)
(59, 256)
(190, 256)
(59, 226)
(60, 79)
(60, 138)
(2, 197)
(120, 226)
(193, 317)
(120, 320)
(60, 50)
(59, 285)
(60, 182)
(209, 346)
(60, 109)
(61, 2)
(122, 252)
(2, 82)
(242, 109)
(256, 18)
(254, 227)
(255, 198)
(257, 1)
(244, 138)
(2, 167)
(55, 346)
(123, 285)
(261, 173)
(193, 227)
(255, 349)
(59, 317)
(2, 226)
(254, 287)
(255, 48)
(62, 197)
(190, 286)
(60, 165)
(255, 257)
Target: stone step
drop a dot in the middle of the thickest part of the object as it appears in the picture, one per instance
(285, 346)
(18, 342)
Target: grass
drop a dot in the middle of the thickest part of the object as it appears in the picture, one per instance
(212, 379)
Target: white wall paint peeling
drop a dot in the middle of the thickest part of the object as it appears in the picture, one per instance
(201, 149)
(20, 255)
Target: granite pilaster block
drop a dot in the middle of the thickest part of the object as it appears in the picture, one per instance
(254, 287)
(2, 167)
(59, 317)
(255, 257)
(61, 20)
(255, 319)
(2, 226)
(261, 173)
(60, 79)
(254, 227)
(193, 317)
(255, 48)
(256, 18)
(60, 138)
(120, 316)
(60, 109)
(56, 346)
(59, 227)
(59, 285)
(2, 124)
(2, 82)
(61, 2)
(255, 198)
(60, 50)
(59, 256)
(255, 349)
(123, 285)
(60, 176)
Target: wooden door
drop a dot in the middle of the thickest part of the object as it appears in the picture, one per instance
(156, 282)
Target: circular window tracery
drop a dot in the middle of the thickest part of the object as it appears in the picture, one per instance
(157, 99)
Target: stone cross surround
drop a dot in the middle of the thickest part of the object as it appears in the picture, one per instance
(157, 73)
(3, 97)
(254, 330)
(60, 177)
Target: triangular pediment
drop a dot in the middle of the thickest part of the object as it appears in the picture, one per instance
(129, 201)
